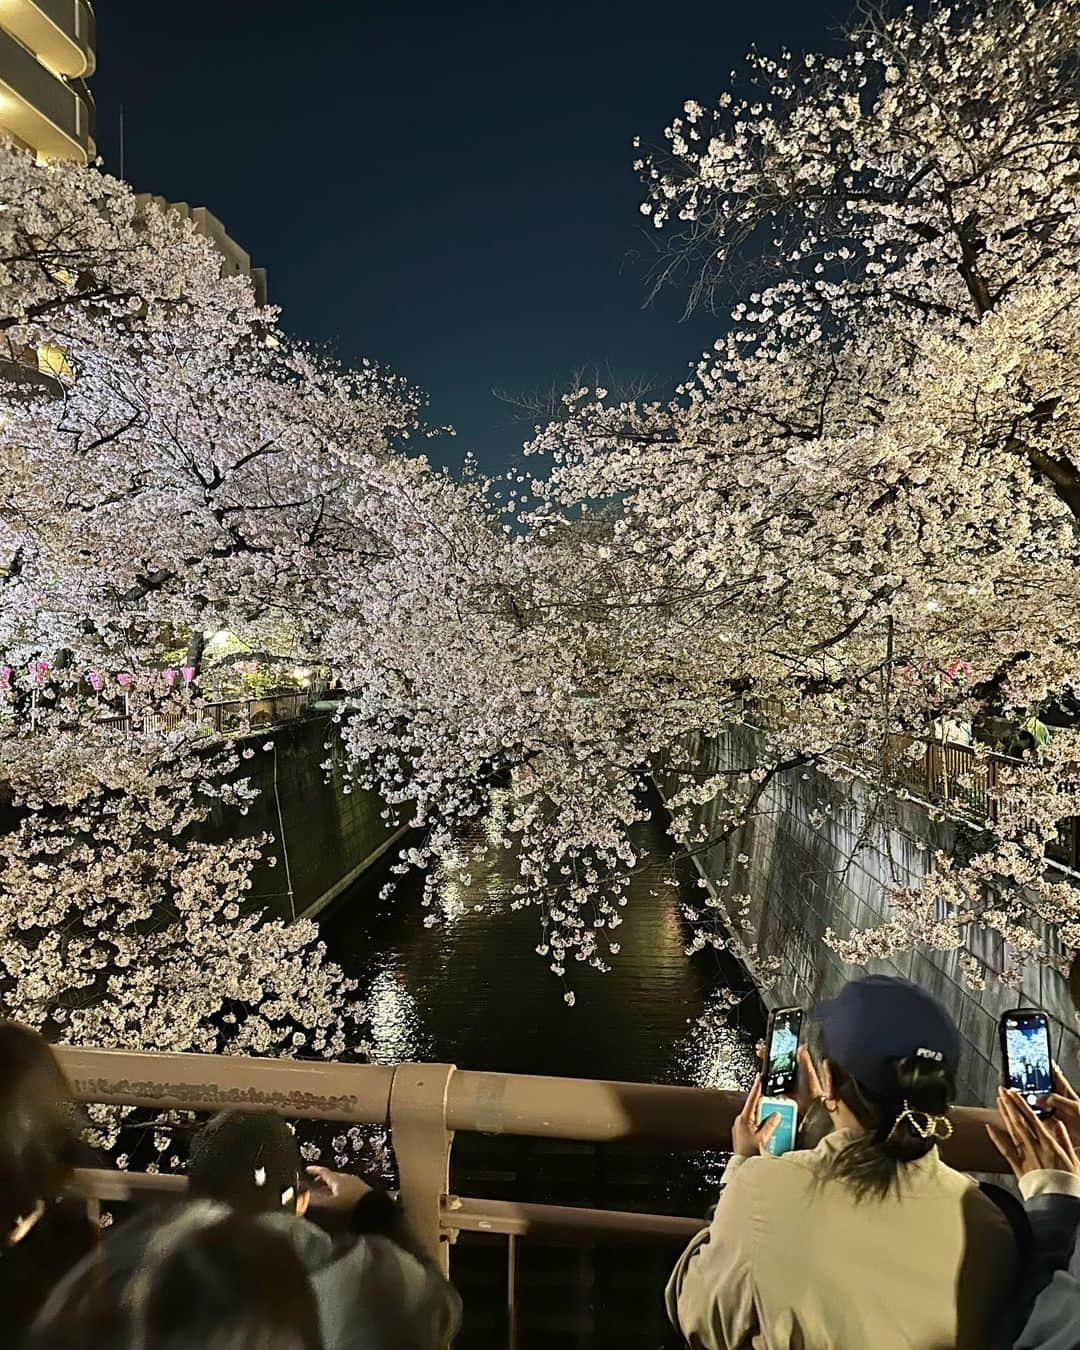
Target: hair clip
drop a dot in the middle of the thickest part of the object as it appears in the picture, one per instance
(260, 1176)
(288, 1195)
(935, 1055)
(930, 1127)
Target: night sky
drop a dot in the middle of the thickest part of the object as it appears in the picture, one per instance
(443, 187)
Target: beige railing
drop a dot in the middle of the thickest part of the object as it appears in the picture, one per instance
(423, 1105)
(230, 715)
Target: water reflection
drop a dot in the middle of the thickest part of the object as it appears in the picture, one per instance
(397, 1034)
(461, 980)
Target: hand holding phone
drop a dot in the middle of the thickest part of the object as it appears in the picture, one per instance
(1029, 1144)
(752, 1131)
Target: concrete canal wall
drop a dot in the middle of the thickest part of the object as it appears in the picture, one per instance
(804, 878)
(324, 836)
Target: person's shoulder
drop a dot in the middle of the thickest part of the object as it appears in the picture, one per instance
(766, 1175)
(971, 1191)
(370, 1268)
(312, 1244)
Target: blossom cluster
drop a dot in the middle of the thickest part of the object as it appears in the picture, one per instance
(860, 512)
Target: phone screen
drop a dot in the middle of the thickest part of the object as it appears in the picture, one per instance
(781, 1067)
(1028, 1070)
(783, 1137)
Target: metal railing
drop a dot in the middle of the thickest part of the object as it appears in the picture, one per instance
(423, 1105)
(965, 778)
(230, 715)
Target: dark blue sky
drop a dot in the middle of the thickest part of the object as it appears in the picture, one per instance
(444, 187)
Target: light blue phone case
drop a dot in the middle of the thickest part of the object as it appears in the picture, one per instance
(783, 1137)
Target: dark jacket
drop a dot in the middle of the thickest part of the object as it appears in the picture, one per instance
(1048, 1311)
(30, 1270)
(375, 1289)
(372, 1292)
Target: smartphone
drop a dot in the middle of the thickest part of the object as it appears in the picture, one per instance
(783, 1137)
(780, 1074)
(1025, 1055)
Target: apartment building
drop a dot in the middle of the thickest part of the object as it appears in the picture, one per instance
(46, 56)
(47, 53)
(235, 261)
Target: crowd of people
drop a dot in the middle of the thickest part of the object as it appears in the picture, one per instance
(861, 1237)
(236, 1266)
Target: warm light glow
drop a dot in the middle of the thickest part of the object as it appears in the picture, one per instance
(395, 1021)
(51, 360)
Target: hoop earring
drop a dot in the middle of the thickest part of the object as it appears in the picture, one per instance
(829, 1103)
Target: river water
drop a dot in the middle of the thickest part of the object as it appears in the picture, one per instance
(471, 990)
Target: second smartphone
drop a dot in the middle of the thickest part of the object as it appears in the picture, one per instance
(1027, 1065)
(780, 1076)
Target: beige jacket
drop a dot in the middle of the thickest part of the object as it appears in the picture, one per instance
(792, 1264)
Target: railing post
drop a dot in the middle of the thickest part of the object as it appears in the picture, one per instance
(422, 1141)
(511, 1291)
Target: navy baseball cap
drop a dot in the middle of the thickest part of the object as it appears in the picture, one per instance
(874, 1022)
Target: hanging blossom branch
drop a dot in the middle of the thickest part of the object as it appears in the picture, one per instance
(866, 485)
(179, 465)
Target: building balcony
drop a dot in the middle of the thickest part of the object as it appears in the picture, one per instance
(61, 33)
(39, 108)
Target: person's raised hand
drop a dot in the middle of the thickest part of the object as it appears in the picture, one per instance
(808, 1091)
(1065, 1104)
(748, 1138)
(1029, 1144)
(336, 1190)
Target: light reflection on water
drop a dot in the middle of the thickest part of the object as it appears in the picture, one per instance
(471, 989)
(397, 1034)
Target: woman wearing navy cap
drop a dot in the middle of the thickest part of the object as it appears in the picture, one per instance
(869, 1239)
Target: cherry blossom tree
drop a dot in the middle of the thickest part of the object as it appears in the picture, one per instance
(855, 521)
(861, 509)
(170, 463)
(186, 467)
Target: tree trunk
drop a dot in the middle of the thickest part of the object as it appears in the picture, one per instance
(196, 647)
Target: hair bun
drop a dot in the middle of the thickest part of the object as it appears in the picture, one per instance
(925, 1088)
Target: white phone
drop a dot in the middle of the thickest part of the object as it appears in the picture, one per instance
(783, 1137)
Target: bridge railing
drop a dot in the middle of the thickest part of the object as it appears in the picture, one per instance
(423, 1106)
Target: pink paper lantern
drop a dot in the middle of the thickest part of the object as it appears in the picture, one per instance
(96, 682)
(124, 680)
(188, 672)
(169, 676)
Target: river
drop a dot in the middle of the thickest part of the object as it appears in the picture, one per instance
(470, 989)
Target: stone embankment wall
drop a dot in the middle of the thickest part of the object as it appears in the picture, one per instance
(804, 878)
(324, 836)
